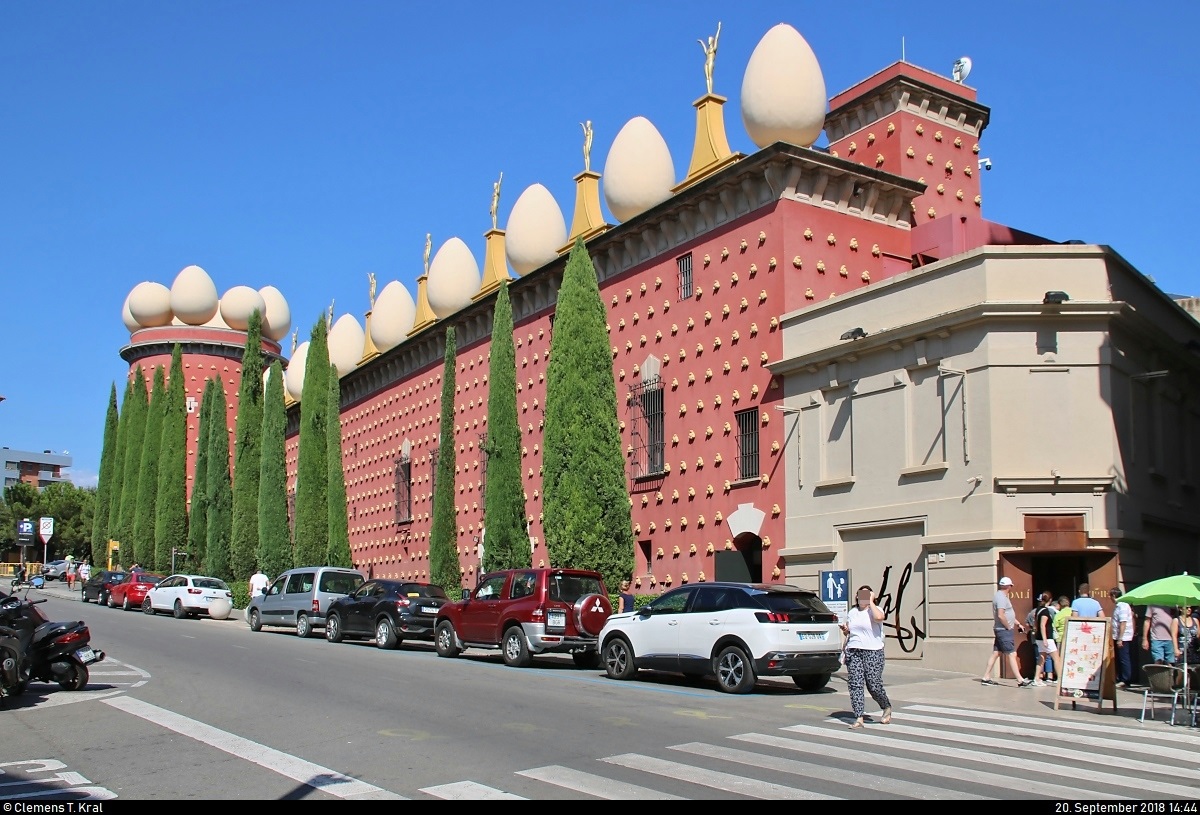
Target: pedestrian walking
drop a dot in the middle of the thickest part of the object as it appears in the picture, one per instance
(1004, 621)
(258, 584)
(70, 575)
(1157, 637)
(864, 656)
(625, 597)
(85, 571)
(1043, 639)
(1122, 635)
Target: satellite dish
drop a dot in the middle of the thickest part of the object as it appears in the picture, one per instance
(962, 67)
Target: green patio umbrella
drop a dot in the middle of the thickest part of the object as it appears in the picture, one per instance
(1176, 590)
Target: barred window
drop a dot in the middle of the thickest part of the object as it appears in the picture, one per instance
(404, 490)
(685, 276)
(747, 438)
(648, 434)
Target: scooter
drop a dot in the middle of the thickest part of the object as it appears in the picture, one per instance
(35, 582)
(56, 651)
(14, 665)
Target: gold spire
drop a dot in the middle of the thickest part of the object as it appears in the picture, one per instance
(588, 221)
(495, 267)
(425, 316)
(710, 152)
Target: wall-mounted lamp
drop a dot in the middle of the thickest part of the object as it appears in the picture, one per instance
(854, 334)
(1055, 298)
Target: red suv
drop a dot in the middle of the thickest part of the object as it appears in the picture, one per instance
(528, 611)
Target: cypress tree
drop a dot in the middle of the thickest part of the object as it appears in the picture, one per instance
(197, 541)
(147, 494)
(137, 406)
(114, 499)
(274, 533)
(108, 455)
(339, 534)
(247, 455)
(220, 492)
(312, 468)
(170, 505)
(444, 569)
(506, 537)
(585, 500)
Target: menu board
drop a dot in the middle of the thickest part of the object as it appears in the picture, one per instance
(1086, 657)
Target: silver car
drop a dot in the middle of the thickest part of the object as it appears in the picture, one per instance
(300, 598)
(55, 570)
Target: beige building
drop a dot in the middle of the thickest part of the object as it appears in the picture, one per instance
(1029, 411)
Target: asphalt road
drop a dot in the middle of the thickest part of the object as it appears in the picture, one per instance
(206, 709)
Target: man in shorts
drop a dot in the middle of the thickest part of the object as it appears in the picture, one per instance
(1156, 635)
(1004, 622)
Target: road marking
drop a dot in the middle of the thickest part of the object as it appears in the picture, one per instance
(114, 673)
(870, 781)
(289, 766)
(469, 791)
(1139, 731)
(713, 779)
(70, 698)
(46, 786)
(597, 785)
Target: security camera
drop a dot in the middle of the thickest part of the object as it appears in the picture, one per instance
(985, 164)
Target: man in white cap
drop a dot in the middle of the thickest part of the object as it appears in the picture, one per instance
(1003, 623)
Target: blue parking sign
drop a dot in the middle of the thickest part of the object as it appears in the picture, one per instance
(25, 531)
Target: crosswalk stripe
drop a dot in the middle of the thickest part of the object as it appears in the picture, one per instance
(1141, 732)
(469, 791)
(1003, 780)
(597, 785)
(869, 781)
(714, 779)
(1020, 745)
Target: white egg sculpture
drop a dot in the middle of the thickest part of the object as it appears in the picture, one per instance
(346, 342)
(238, 304)
(783, 90)
(217, 321)
(193, 296)
(392, 316)
(454, 278)
(536, 230)
(293, 377)
(150, 304)
(277, 319)
(127, 317)
(638, 173)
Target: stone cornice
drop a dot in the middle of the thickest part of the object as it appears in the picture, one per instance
(903, 94)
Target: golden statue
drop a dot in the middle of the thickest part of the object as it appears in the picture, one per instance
(587, 144)
(295, 334)
(371, 293)
(428, 246)
(329, 319)
(496, 198)
(710, 57)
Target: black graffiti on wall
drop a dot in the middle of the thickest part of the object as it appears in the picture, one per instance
(908, 636)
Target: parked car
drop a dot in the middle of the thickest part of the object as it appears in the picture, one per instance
(130, 593)
(300, 598)
(526, 612)
(733, 631)
(99, 585)
(185, 595)
(54, 570)
(388, 610)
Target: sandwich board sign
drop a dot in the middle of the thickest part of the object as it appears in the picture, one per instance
(1087, 671)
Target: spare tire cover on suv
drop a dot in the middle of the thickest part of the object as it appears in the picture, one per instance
(591, 612)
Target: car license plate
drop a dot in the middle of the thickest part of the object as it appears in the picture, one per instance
(429, 609)
(556, 619)
(86, 655)
(813, 635)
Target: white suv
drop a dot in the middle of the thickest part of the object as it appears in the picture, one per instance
(733, 631)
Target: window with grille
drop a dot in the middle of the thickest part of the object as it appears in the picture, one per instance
(747, 438)
(648, 435)
(685, 276)
(404, 490)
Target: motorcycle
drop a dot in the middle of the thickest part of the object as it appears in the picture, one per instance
(14, 665)
(55, 651)
(35, 582)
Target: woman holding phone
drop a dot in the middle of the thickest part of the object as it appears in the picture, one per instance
(864, 656)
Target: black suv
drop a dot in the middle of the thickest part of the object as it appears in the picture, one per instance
(388, 610)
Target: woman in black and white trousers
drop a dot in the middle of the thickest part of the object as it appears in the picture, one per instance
(864, 656)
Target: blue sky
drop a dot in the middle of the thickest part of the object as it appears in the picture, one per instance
(304, 144)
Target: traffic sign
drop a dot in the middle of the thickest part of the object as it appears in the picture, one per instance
(835, 592)
(46, 529)
(25, 532)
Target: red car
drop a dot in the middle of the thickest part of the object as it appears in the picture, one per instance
(130, 592)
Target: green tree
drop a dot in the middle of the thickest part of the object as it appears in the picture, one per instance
(147, 495)
(586, 503)
(444, 569)
(137, 407)
(274, 533)
(339, 534)
(170, 504)
(118, 478)
(8, 525)
(24, 501)
(312, 467)
(247, 455)
(108, 455)
(72, 509)
(506, 541)
(197, 540)
(220, 491)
